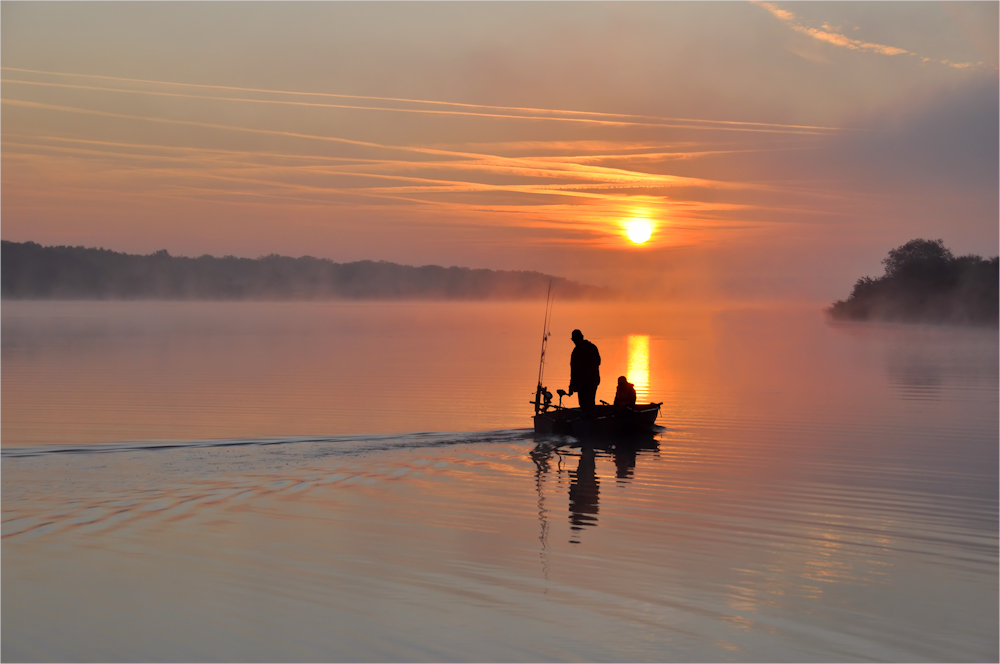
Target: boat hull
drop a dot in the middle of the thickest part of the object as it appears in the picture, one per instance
(601, 421)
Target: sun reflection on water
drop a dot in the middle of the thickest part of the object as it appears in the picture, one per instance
(638, 364)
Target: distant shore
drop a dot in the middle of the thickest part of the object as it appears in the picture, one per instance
(32, 271)
(925, 283)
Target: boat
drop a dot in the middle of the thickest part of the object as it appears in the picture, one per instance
(604, 419)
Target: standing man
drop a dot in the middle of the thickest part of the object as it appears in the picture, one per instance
(584, 370)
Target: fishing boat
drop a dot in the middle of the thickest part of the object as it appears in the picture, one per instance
(603, 419)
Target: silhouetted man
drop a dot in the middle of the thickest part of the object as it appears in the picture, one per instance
(625, 396)
(584, 370)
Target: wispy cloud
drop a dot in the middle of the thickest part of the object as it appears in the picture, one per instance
(826, 33)
(194, 153)
(480, 110)
(563, 166)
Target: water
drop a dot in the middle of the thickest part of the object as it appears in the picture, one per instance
(291, 482)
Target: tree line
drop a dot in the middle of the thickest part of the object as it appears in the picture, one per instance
(31, 271)
(924, 282)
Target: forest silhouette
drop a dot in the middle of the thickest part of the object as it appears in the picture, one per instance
(924, 282)
(31, 271)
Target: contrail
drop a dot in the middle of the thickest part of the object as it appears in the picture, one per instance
(510, 162)
(590, 116)
(281, 102)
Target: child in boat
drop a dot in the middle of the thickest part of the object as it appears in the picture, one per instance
(625, 396)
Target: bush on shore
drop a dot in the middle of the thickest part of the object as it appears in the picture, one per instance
(924, 282)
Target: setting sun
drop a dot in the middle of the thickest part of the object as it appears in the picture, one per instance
(639, 230)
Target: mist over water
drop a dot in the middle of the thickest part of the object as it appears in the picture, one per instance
(358, 482)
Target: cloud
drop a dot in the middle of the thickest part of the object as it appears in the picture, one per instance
(827, 34)
(608, 174)
(512, 112)
(950, 138)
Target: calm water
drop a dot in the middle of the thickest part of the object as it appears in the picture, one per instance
(356, 482)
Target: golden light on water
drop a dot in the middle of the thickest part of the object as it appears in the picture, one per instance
(638, 364)
(639, 230)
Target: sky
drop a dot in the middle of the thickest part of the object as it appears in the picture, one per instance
(775, 150)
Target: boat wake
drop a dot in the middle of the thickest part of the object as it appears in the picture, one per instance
(346, 445)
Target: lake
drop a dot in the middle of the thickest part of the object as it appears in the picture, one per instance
(359, 482)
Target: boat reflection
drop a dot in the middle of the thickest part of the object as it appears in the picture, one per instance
(584, 483)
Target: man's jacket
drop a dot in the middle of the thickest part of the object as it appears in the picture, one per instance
(584, 366)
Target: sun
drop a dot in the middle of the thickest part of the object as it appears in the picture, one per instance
(639, 230)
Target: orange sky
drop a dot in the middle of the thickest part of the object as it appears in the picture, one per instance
(777, 149)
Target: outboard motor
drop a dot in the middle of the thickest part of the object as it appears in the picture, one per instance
(543, 399)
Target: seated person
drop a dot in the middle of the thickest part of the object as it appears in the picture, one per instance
(625, 396)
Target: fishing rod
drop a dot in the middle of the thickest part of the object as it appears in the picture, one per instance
(542, 396)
